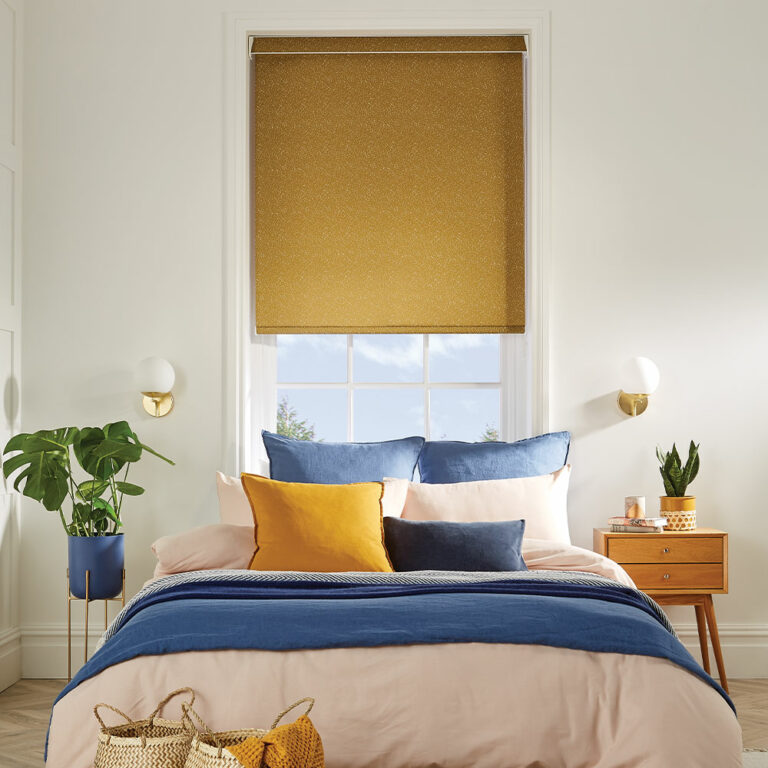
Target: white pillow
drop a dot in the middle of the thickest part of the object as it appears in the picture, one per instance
(541, 501)
(234, 508)
(395, 493)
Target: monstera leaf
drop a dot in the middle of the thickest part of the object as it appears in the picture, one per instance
(104, 452)
(91, 489)
(43, 469)
(43, 458)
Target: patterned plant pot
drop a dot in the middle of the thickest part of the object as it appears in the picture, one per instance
(680, 512)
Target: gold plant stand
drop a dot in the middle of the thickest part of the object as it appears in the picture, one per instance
(70, 598)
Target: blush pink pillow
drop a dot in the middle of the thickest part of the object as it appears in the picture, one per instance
(234, 508)
(541, 501)
(204, 549)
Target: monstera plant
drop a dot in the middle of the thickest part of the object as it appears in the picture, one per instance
(91, 489)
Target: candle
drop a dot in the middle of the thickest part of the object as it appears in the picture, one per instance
(634, 506)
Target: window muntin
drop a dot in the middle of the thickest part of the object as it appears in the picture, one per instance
(387, 387)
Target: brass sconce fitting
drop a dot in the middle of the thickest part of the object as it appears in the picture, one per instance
(155, 378)
(641, 378)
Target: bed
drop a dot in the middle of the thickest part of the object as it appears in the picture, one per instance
(564, 665)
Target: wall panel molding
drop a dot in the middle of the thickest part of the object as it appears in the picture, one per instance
(10, 324)
(10, 657)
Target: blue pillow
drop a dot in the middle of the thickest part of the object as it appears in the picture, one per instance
(446, 461)
(430, 545)
(303, 461)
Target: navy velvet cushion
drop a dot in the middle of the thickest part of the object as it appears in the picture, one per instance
(303, 461)
(428, 545)
(446, 461)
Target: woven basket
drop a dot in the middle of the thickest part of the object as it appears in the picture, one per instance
(680, 512)
(150, 743)
(208, 748)
(680, 521)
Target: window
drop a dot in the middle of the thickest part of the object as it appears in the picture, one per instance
(384, 386)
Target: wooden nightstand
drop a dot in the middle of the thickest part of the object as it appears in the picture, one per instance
(676, 568)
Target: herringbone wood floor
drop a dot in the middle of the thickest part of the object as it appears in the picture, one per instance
(24, 711)
(25, 707)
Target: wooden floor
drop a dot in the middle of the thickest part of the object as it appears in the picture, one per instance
(24, 711)
(25, 707)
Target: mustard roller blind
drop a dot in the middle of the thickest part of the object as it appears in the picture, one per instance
(389, 184)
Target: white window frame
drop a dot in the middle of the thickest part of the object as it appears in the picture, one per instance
(426, 385)
(249, 360)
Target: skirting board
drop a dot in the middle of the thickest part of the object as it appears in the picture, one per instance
(44, 649)
(10, 657)
(745, 649)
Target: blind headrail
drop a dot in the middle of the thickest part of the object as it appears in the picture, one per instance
(272, 45)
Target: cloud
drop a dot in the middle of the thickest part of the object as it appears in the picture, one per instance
(401, 353)
(449, 345)
(398, 351)
(320, 342)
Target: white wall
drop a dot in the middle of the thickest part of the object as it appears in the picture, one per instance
(11, 32)
(658, 247)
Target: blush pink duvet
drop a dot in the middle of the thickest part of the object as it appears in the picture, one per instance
(451, 705)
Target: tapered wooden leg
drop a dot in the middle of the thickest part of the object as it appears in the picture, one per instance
(709, 611)
(701, 623)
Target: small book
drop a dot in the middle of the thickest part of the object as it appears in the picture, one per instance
(636, 529)
(642, 522)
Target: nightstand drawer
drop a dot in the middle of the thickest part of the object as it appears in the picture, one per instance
(658, 548)
(676, 575)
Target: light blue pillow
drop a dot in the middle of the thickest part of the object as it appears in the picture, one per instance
(304, 461)
(446, 461)
(432, 545)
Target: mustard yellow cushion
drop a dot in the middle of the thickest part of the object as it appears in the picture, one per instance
(309, 527)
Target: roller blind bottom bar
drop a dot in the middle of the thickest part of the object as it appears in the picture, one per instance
(272, 330)
(366, 53)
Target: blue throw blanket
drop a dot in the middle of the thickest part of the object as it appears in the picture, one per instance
(250, 610)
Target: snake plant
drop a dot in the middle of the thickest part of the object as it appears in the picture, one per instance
(677, 477)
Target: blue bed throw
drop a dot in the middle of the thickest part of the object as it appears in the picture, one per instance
(217, 610)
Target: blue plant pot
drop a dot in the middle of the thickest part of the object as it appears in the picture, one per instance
(104, 557)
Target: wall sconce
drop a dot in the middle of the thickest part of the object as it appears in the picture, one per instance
(154, 378)
(640, 378)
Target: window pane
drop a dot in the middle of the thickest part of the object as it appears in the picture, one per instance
(317, 358)
(465, 414)
(312, 414)
(457, 357)
(386, 414)
(388, 358)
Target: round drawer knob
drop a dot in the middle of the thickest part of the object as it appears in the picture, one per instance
(666, 575)
(666, 550)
